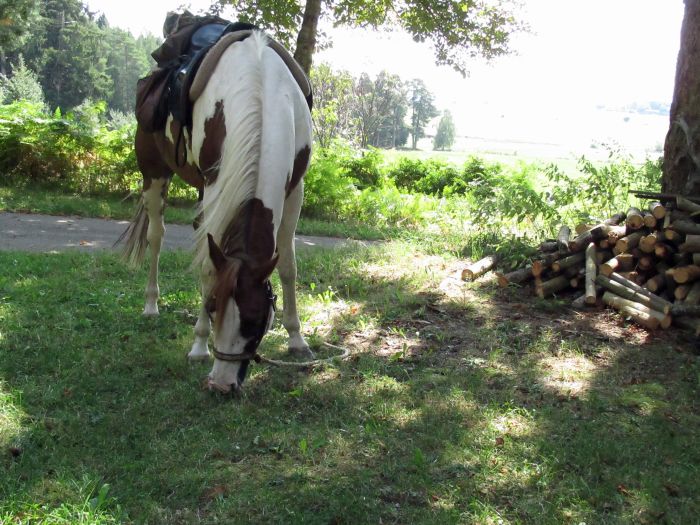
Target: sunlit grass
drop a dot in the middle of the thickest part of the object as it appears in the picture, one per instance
(452, 409)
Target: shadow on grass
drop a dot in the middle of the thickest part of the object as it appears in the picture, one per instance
(452, 410)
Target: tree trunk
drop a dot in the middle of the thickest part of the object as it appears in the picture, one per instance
(306, 41)
(681, 169)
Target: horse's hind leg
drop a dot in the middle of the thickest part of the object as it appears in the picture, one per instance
(154, 203)
(156, 178)
(287, 268)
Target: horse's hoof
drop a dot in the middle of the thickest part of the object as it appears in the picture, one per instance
(302, 352)
(198, 358)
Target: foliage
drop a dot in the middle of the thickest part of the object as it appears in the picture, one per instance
(16, 16)
(422, 109)
(72, 151)
(333, 105)
(77, 57)
(445, 134)
(380, 106)
(22, 85)
(457, 31)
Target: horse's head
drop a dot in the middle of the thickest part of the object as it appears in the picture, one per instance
(242, 307)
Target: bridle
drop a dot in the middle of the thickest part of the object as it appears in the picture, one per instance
(262, 329)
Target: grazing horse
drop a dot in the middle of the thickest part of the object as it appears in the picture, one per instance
(247, 154)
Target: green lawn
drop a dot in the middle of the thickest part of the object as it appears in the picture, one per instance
(461, 404)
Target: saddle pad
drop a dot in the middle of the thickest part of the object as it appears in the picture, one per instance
(212, 59)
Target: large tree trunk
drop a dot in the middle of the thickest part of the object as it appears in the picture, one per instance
(681, 169)
(306, 41)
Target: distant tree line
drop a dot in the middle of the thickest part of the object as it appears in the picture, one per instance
(73, 54)
(59, 53)
(383, 112)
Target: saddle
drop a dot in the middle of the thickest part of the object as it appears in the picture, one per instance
(185, 63)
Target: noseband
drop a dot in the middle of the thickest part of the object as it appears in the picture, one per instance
(252, 354)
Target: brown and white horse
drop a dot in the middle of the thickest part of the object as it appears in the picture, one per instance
(249, 150)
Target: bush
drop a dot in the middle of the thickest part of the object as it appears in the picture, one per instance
(73, 152)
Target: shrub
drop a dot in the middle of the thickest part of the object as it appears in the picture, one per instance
(73, 152)
(365, 169)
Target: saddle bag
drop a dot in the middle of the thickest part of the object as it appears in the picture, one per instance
(152, 99)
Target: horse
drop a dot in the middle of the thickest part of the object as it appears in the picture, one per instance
(247, 153)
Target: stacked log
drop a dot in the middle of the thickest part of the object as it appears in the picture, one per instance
(645, 263)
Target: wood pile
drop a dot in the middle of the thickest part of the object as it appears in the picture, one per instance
(645, 263)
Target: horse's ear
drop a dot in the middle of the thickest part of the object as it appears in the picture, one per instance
(215, 254)
(263, 273)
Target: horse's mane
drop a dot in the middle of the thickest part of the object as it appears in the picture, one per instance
(240, 156)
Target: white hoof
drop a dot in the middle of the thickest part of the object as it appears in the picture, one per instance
(199, 352)
(151, 310)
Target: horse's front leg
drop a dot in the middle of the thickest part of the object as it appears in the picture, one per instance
(200, 349)
(154, 203)
(287, 268)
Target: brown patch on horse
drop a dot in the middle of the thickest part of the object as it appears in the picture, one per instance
(154, 151)
(301, 163)
(148, 158)
(251, 234)
(224, 288)
(250, 241)
(214, 135)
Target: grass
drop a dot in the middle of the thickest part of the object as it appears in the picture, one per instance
(461, 404)
(26, 199)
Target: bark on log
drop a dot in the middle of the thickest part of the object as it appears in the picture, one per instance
(687, 205)
(664, 320)
(622, 262)
(685, 310)
(552, 286)
(693, 296)
(568, 262)
(582, 228)
(479, 268)
(625, 244)
(516, 277)
(547, 246)
(615, 219)
(540, 265)
(687, 227)
(691, 244)
(590, 296)
(645, 320)
(617, 232)
(629, 290)
(596, 233)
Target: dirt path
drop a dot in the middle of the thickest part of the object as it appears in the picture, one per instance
(49, 233)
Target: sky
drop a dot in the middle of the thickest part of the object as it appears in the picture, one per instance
(581, 61)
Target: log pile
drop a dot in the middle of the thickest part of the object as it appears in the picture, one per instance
(644, 263)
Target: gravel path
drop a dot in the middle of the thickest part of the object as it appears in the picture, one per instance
(49, 233)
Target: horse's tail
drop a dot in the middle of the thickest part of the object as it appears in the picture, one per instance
(134, 238)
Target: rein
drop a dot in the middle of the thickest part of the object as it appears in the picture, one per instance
(232, 358)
